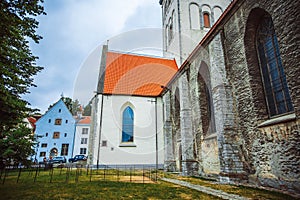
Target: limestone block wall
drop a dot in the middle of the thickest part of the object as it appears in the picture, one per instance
(269, 146)
(252, 146)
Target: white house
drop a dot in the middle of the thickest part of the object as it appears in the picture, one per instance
(127, 111)
(82, 134)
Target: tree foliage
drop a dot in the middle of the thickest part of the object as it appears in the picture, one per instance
(17, 63)
(88, 109)
(16, 147)
(18, 25)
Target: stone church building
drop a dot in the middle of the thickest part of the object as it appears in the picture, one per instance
(231, 109)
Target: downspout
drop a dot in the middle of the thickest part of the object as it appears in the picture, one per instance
(100, 130)
(179, 31)
(156, 140)
(73, 145)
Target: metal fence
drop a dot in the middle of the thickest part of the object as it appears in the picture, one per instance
(68, 173)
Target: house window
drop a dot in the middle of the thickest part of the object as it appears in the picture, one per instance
(104, 143)
(66, 134)
(42, 154)
(59, 110)
(49, 121)
(275, 86)
(206, 20)
(57, 122)
(85, 130)
(127, 125)
(66, 121)
(46, 134)
(83, 140)
(56, 135)
(82, 150)
(44, 145)
(64, 149)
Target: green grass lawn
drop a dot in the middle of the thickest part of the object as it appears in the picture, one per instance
(249, 192)
(97, 188)
(61, 183)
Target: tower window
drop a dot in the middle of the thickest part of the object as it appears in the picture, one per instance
(206, 20)
(275, 86)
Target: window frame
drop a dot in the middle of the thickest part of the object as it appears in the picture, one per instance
(56, 135)
(205, 13)
(58, 121)
(64, 149)
(270, 66)
(83, 151)
(84, 141)
(129, 125)
(85, 131)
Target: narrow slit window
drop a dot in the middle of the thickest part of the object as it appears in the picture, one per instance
(206, 20)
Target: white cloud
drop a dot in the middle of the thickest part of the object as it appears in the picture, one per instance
(71, 30)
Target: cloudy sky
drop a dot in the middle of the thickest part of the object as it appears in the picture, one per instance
(73, 32)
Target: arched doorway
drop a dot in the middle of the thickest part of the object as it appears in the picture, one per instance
(53, 152)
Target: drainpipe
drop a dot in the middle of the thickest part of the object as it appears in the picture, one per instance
(99, 142)
(179, 32)
(156, 142)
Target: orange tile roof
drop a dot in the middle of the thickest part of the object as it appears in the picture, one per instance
(130, 74)
(85, 120)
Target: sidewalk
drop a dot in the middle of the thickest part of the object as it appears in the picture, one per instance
(206, 190)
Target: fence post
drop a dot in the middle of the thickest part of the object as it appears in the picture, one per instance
(143, 175)
(118, 175)
(67, 174)
(19, 174)
(51, 174)
(36, 172)
(104, 172)
(130, 173)
(5, 174)
(91, 174)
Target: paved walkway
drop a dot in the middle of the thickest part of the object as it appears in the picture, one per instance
(206, 190)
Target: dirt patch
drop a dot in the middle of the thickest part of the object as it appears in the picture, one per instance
(136, 179)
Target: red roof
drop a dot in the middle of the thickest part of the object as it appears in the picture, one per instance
(130, 74)
(84, 120)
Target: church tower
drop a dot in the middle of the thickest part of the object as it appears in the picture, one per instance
(185, 23)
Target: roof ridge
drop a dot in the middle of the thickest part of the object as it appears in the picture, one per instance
(140, 54)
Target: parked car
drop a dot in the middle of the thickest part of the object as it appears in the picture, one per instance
(58, 159)
(78, 158)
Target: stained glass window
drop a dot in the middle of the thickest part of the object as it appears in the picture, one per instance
(127, 125)
(275, 85)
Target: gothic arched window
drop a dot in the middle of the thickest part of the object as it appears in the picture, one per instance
(206, 101)
(274, 79)
(127, 125)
